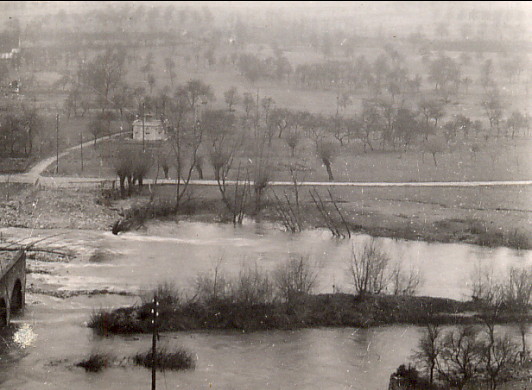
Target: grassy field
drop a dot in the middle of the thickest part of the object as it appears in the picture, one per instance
(498, 159)
(477, 215)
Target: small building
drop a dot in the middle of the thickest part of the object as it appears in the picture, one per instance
(149, 129)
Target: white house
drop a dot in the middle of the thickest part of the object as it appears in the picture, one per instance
(149, 130)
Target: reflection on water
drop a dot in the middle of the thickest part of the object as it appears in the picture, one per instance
(341, 358)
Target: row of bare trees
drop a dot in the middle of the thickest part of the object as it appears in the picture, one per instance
(481, 353)
(289, 281)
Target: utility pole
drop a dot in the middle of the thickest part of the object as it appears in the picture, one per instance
(257, 115)
(154, 343)
(57, 143)
(81, 146)
(143, 119)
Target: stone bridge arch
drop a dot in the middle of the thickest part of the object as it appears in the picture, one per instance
(12, 285)
(3, 312)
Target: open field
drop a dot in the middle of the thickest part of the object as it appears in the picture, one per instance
(498, 159)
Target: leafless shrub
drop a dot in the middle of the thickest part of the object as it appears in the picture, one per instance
(404, 281)
(295, 278)
(215, 287)
(368, 268)
(331, 222)
(252, 286)
(167, 292)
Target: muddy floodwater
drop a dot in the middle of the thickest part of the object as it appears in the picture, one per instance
(52, 335)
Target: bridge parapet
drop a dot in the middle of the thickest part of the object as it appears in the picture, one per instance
(12, 284)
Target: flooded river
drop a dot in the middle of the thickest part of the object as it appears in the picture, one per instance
(52, 335)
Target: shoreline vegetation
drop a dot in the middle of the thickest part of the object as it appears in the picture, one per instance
(423, 215)
(307, 311)
(342, 223)
(285, 298)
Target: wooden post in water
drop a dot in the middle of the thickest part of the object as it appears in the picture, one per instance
(81, 146)
(154, 344)
(57, 142)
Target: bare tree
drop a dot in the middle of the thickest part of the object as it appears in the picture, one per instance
(492, 105)
(104, 74)
(460, 356)
(142, 162)
(96, 128)
(288, 209)
(433, 145)
(231, 98)
(499, 358)
(261, 171)
(295, 278)
(185, 140)
(195, 91)
(368, 268)
(151, 82)
(252, 286)
(327, 152)
(123, 167)
(404, 281)
(212, 288)
(429, 349)
(518, 295)
(292, 140)
(249, 104)
(169, 66)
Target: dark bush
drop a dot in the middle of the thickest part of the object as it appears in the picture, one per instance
(95, 363)
(179, 359)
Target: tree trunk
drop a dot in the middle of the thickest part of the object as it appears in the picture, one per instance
(329, 170)
(122, 186)
(129, 185)
(200, 171)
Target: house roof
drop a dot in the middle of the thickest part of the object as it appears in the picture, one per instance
(149, 122)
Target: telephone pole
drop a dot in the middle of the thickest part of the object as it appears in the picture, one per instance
(154, 344)
(57, 143)
(143, 119)
(81, 146)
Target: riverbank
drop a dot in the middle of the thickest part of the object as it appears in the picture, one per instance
(482, 216)
(308, 311)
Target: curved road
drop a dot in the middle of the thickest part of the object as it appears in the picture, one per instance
(34, 176)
